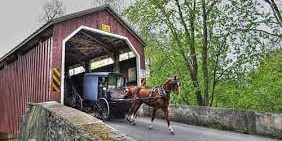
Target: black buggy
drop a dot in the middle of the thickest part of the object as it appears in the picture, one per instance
(102, 95)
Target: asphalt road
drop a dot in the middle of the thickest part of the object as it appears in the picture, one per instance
(183, 132)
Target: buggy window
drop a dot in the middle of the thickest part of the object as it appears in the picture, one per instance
(115, 82)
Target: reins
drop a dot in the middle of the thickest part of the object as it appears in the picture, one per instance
(163, 90)
(159, 90)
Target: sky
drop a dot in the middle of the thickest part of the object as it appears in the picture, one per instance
(20, 18)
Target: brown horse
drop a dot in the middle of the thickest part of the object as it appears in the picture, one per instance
(158, 98)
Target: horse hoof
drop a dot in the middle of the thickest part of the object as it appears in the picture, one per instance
(134, 123)
(150, 127)
(172, 132)
(128, 120)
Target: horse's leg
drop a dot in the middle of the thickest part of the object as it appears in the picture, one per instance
(153, 117)
(131, 111)
(137, 108)
(165, 110)
(134, 115)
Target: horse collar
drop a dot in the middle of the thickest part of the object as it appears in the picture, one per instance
(165, 94)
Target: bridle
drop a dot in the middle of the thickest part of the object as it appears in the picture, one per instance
(175, 84)
(166, 92)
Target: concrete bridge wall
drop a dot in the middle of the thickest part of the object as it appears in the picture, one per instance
(224, 118)
(51, 121)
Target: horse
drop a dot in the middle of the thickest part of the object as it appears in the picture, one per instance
(158, 98)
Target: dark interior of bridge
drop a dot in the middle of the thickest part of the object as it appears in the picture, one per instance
(88, 52)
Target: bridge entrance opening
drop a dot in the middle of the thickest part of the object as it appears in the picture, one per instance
(91, 50)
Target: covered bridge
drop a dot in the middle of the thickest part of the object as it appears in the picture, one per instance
(88, 41)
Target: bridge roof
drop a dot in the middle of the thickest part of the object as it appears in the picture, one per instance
(68, 17)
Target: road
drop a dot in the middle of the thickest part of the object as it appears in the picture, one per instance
(183, 132)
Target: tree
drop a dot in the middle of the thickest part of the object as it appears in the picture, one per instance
(261, 89)
(52, 9)
(205, 53)
(117, 5)
(201, 36)
(276, 11)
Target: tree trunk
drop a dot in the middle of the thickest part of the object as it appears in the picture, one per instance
(205, 55)
(276, 11)
(196, 85)
(191, 62)
(193, 55)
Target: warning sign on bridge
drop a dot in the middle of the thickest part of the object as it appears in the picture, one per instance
(56, 84)
(106, 28)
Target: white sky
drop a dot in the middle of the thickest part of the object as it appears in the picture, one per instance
(20, 18)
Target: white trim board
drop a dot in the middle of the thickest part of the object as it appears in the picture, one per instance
(103, 33)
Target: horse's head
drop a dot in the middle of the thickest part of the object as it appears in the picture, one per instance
(173, 84)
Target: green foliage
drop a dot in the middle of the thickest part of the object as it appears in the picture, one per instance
(164, 68)
(260, 91)
(239, 34)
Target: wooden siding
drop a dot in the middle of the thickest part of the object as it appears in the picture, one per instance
(27, 79)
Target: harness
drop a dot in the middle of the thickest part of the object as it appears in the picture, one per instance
(151, 98)
(164, 93)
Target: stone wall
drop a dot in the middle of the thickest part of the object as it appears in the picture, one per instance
(51, 121)
(225, 118)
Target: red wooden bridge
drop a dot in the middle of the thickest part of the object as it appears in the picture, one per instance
(35, 70)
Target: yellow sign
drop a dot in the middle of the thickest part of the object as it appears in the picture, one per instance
(56, 85)
(143, 81)
(106, 28)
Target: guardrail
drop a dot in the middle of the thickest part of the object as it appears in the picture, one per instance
(53, 121)
(268, 124)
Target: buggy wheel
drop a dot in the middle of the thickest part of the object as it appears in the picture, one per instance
(103, 109)
(77, 102)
